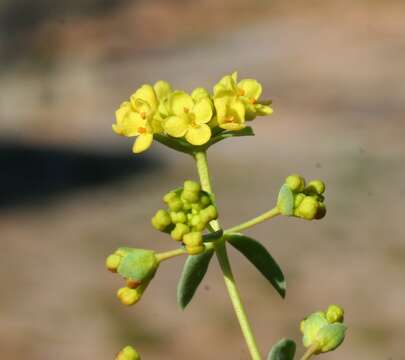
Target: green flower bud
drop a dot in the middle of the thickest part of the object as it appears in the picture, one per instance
(175, 204)
(330, 337)
(195, 250)
(209, 213)
(178, 217)
(310, 327)
(112, 262)
(197, 207)
(161, 220)
(128, 353)
(128, 296)
(195, 220)
(192, 186)
(193, 238)
(179, 231)
(205, 201)
(295, 182)
(334, 314)
(186, 205)
(138, 264)
(307, 209)
(190, 196)
(298, 199)
(315, 187)
(170, 196)
(321, 212)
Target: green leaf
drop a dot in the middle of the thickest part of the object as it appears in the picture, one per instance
(283, 350)
(258, 255)
(213, 236)
(194, 271)
(246, 131)
(285, 201)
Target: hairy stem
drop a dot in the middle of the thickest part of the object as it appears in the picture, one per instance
(257, 220)
(202, 167)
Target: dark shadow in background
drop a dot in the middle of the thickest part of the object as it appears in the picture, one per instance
(31, 174)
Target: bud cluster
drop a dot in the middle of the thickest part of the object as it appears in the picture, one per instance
(128, 353)
(137, 267)
(324, 331)
(308, 198)
(189, 211)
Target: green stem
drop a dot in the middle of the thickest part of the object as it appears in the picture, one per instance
(257, 220)
(311, 351)
(202, 167)
(181, 251)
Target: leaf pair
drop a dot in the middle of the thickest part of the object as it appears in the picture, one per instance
(196, 267)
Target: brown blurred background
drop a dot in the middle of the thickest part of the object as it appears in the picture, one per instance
(71, 192)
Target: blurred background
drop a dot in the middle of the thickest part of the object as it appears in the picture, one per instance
(71, 192)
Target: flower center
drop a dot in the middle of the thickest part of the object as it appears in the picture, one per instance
(142, 130)
(143, 114)
(229, 119)
(253, 100)
(186, 110)
(241, 92)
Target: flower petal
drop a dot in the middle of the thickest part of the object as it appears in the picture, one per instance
(227, 83)
(252, 89)
(180, 103)
(203, 111)
(130, 125)
(176, 126)
(162, 89)
(198, 135)
(237, 110)
(147, 94)
(199, 93)
(142, 143)
(122, 111)
(263, 110)
(232, 126)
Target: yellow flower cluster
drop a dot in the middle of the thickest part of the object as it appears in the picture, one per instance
(194, 117)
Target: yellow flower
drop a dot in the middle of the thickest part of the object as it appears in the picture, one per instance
(248, 91)
(230, 112)
(189, 118)
(140, 117)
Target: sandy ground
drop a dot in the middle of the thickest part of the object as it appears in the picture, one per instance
(337, 82)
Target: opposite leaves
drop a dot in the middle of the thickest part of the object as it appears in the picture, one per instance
(193, 272)
(283, 350)
(258, 255)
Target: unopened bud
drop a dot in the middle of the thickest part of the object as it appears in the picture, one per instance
(128, 353)
(308, 208)
(330, 337)
(334, 314)
(195, 250)
(295, 182)
(128, 296)
(192, 186)
(161, 220)
(193, 238)
(112, 262)
(179, 231)
(315, 187)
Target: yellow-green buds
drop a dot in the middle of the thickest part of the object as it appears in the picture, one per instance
(112, 262)
(296, 199)
(323, 331)
(128, 353)
(189, 212)
(137, 267)
(194, 243)
(128, 296)
(334, 314)
(161, 220)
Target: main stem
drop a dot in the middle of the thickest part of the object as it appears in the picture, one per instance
(202, 167)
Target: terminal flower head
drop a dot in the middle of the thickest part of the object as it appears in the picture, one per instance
(189, 117)
(128, 353)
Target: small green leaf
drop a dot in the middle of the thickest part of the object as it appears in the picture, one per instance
(213, 236)
(285, 201)
(194, 271)
(258, 255)
(283, 350)
(246, 131)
